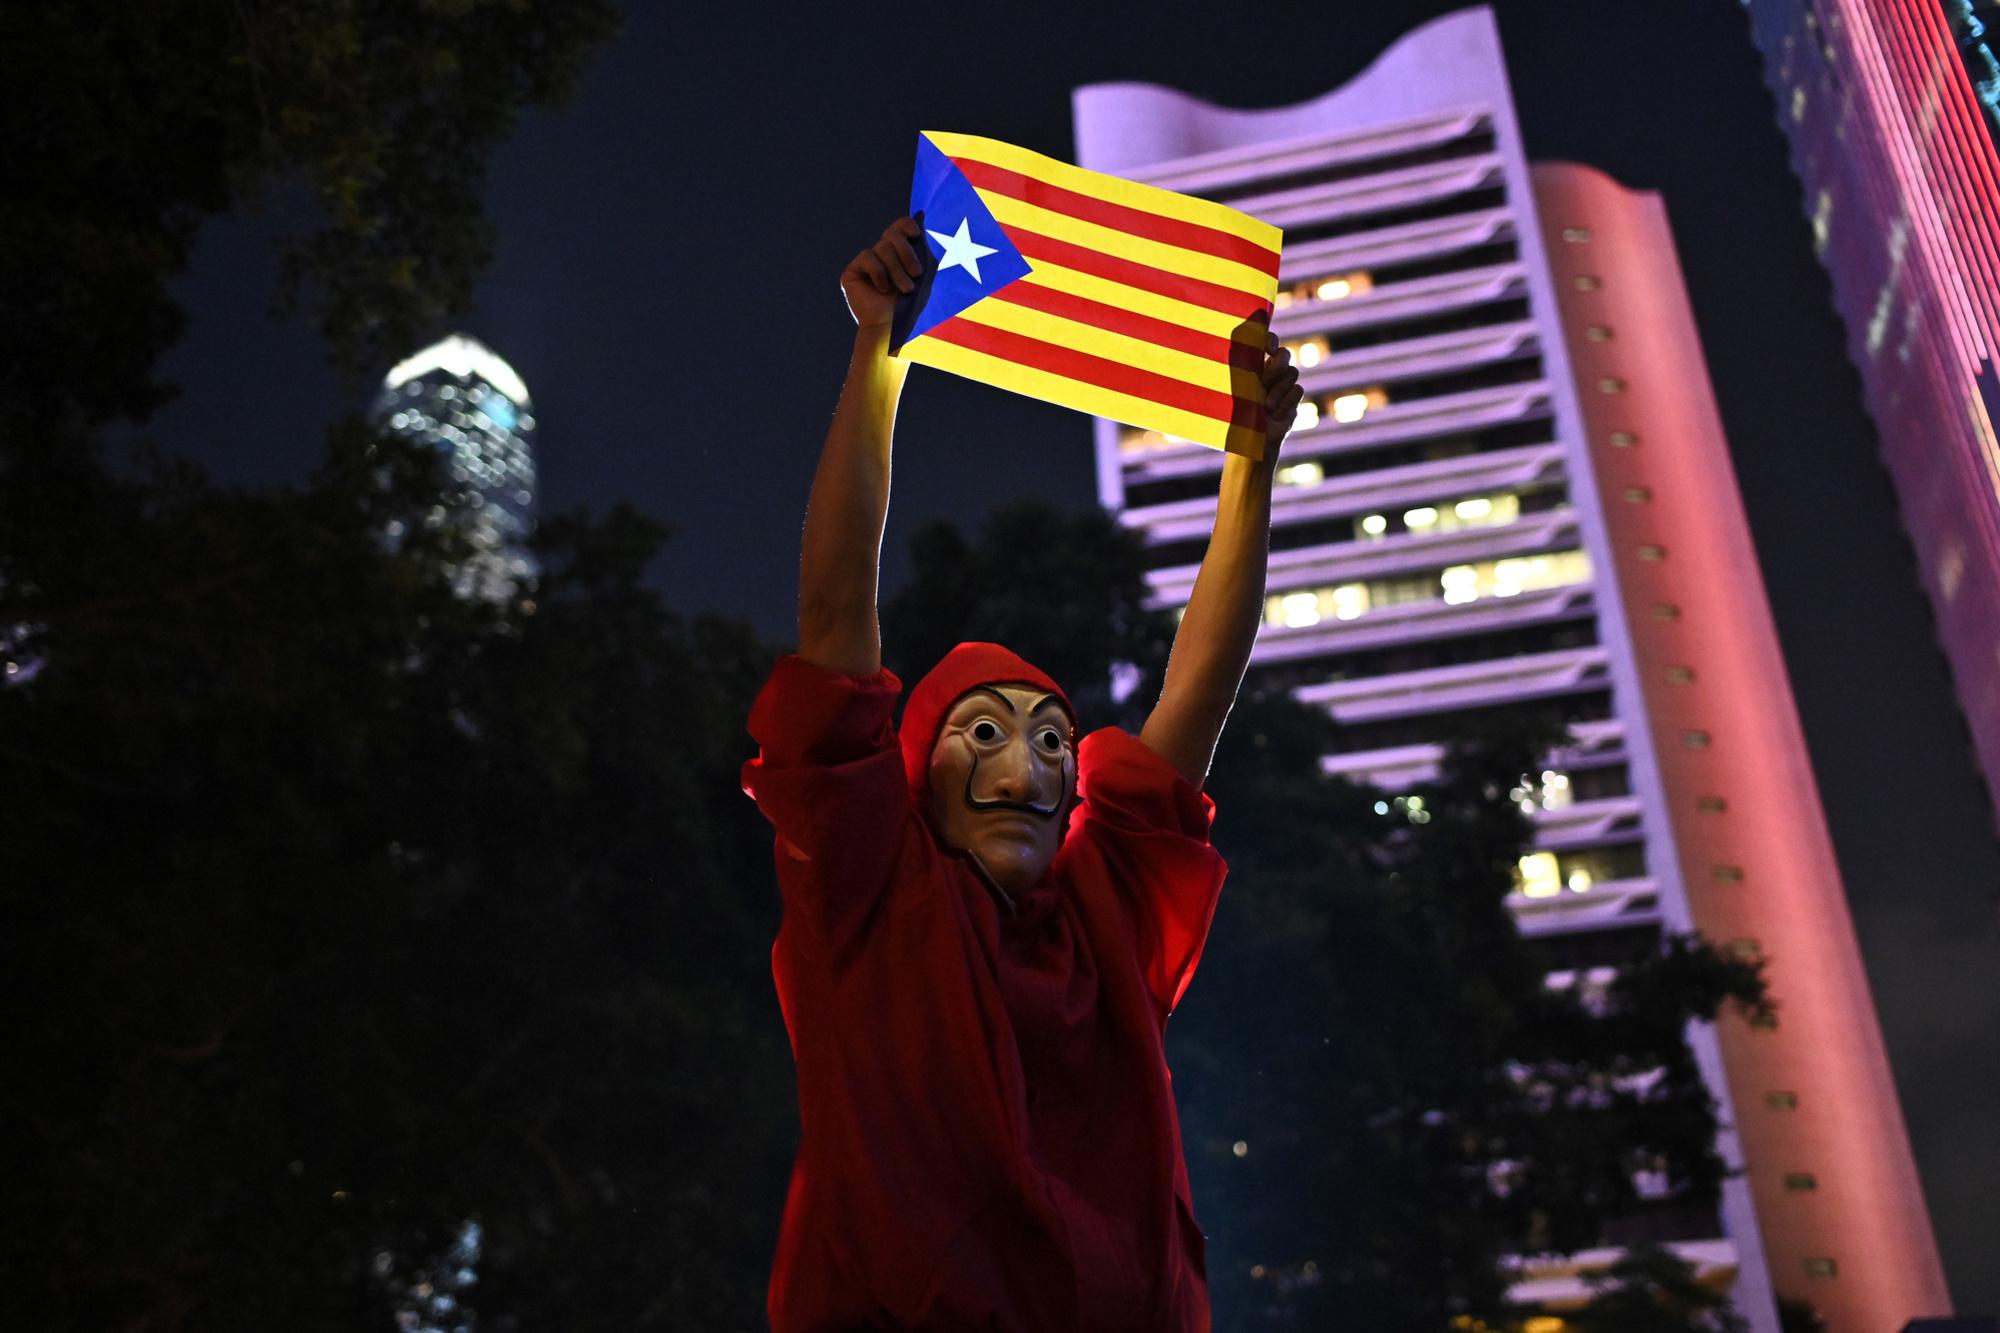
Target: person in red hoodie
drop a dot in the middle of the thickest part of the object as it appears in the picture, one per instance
(986, 924)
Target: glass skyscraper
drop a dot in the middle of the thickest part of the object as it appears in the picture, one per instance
(459, 397)
(1509, 487)
(1893, 142)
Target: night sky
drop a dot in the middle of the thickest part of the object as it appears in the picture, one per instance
(666, 284)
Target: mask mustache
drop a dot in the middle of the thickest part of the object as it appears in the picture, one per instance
(1043, 812)
(1025, 807)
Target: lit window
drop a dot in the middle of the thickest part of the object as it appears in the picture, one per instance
(1374, 525)
(1473, 510)
(1350, 600)
(1308, 353)
(1418, 519)
(1301, 474)
(1299, 609)
(1308, 415)
(1579, 880)
(1333, 289)
(1538, 875)
(1461, 584)
(1353, 407)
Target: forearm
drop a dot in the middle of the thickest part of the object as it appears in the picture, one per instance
(840, 559)
(1212, 647)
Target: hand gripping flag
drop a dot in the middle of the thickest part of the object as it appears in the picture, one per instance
(1115, 298)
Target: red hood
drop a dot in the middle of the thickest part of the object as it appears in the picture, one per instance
(963, 668)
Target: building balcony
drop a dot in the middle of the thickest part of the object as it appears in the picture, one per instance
(1396, 423)
(1376, 491)
(1405, 243)
(1606, 904)
(1332, 563)
(1588, 824)
(1434, 295)
(1468, 685)
(1560, 1282)
(1415, 358)
(1226, 169)
(1380, 192)
(1411, 622)
(1401, 767)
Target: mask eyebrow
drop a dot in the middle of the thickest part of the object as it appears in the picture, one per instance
(988, 689)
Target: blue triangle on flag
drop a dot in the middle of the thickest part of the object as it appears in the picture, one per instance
(958, 227)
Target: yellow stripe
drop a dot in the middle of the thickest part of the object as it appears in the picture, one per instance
(1114, 189)
(1143, 413)
(1139, 302)
(1201, 371)
(1158, 254)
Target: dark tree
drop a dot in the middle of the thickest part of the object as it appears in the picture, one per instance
(350, 912)
(364, 127)
(1380, 1096)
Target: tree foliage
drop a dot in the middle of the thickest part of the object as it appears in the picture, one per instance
(366, 127)
(350, 911)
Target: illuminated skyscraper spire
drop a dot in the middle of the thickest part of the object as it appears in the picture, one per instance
(462, 399)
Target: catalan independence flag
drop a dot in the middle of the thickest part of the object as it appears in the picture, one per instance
(1101, 294)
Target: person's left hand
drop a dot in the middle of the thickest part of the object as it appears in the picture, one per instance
(1281, 394)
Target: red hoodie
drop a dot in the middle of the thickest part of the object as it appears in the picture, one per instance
(988, 1130)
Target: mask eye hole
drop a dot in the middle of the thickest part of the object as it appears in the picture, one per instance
(1050, 740)
(985, 731)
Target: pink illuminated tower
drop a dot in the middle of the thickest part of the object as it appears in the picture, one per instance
(1510, 486)
(1902, 186)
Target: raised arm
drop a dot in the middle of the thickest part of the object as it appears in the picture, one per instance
(1212, 646)
(841, 556)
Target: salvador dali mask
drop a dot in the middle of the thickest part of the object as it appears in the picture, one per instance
(1002, 780)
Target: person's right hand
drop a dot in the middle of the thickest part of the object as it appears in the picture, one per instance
(883, 271)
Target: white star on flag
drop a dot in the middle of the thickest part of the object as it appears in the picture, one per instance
(961, 251)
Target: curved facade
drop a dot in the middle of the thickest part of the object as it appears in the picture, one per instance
(1448, 538)
(1837, 1197)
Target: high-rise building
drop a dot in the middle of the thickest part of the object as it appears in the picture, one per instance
(1509, 486)
(1902, 187)
(462, 399)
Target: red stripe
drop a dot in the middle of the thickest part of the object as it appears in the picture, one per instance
(1121, 217)
(1112, 319)
(1159, 281)
(1102, 372)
